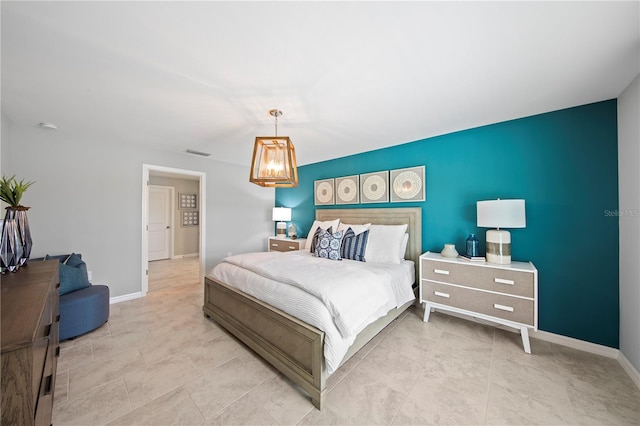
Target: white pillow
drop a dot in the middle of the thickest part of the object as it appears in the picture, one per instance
(357, 229)
(403, 246)
(385, 243)
(324, 225)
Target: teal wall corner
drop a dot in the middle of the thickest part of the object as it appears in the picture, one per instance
(563, 163)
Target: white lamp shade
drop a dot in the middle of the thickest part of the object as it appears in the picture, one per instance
(501, 214)
(281, 214)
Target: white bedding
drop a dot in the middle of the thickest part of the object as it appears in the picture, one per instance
(338, 297)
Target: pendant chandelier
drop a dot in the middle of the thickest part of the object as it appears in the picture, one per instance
(274, 160)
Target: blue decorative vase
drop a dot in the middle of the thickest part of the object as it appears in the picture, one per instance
(472, 245)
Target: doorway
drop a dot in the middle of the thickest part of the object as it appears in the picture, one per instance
(153, 237)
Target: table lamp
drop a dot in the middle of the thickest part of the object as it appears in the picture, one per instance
(281, 215)
(500, 214)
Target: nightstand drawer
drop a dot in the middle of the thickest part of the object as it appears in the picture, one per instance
(518, 283)
(284, 245)
(509, 308)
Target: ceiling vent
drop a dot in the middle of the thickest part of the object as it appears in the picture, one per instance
(193, 151)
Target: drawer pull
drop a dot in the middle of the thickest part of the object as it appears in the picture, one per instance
(47, 385)
(439, 293)
(503, 307)
(292, 247)
(274, 244)
(441, 271)
(503, 281)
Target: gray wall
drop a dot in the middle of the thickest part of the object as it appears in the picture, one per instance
(629, 190)
(88, 198)
(185, 238)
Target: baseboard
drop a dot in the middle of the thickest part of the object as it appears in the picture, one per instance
(582, 345)
(629, 368)
(183, 256)
(124, 298)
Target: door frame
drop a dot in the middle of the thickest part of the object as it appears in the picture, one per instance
(172, 200)
(202, 191)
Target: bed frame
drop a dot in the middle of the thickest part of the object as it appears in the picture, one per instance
(290, 345)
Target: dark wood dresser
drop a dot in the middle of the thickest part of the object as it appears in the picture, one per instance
(30, 344)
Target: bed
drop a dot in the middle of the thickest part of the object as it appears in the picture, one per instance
(295, 347)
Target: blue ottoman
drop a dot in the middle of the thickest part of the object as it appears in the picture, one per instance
(83, 310)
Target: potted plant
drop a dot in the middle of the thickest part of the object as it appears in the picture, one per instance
(15, 239)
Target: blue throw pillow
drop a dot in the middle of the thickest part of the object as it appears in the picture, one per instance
(314, 240)
(73, 274)
(328, 245)
(354, 246)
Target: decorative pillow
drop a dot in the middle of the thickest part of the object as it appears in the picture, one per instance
(314, 240)
(73, 273)
(354, 246)
(357, 229)
(328, 245)
(384, 244)
(318, 224)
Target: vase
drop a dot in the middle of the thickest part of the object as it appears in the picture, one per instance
(23, 231)
(449, 250)
(472, 246)
(10, 245)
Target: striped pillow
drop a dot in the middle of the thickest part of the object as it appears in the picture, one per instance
(354, 246)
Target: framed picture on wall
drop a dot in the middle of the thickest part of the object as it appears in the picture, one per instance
(324, 193)
(348, 190)
(189, 218)
(374, 187)
(408, 184)
(187, 201)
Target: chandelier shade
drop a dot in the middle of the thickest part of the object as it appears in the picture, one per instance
(274, 160)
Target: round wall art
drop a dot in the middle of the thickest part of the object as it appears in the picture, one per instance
(324, 192)
(407, 184)
(375, 187)
(347, 190)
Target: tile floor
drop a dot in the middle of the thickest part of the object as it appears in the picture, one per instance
(158, 361)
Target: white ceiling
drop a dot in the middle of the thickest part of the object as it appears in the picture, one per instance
(349, 76)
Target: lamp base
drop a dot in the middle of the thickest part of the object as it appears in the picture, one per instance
(281, 230)
(498, 247)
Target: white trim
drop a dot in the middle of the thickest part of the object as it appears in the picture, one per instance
(146, 168)
(581, 345)
(182, 256)
(629, 368)
(126, 297)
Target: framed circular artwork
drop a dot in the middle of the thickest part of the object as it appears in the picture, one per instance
(347, 190)
(324, 193)
(374, 187)
(408, 184)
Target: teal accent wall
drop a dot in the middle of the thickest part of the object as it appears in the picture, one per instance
(563, 163)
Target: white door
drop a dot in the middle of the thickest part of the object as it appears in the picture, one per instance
(159, 223)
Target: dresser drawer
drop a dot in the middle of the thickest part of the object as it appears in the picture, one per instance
(508, 281)
(506, 307)
(283, 245)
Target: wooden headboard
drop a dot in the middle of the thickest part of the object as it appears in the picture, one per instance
(412, 216)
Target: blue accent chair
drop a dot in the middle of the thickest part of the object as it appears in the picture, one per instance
(82, 311)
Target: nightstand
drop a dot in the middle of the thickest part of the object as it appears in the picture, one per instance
(286, 244)
(503, 294)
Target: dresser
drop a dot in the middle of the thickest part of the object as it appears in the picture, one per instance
(30, 344)
(286, 244)
(502, 294)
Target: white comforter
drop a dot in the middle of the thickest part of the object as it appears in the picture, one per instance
(339, 297)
